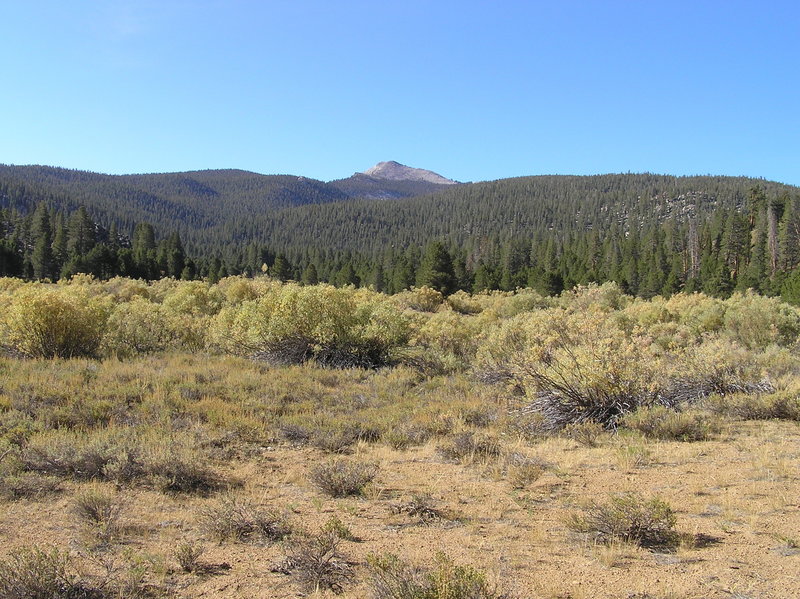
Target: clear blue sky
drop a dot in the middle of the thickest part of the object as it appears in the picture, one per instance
(473, 90)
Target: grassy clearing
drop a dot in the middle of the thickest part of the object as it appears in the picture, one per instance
(663, 433)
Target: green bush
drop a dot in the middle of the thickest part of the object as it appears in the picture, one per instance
(574, 367)
(239, 520)
(391, 578)
(755, 321)
(97, 506)
(34, 573)
(584, 433)
(421, 299)
(420, 506)
(660, 422)
(193, 298)
(317, 563)
(341, 477)
(522, 470)
(169, 462)
(407, 435)
(631, 518)
(768, 406)
(606, 297)
(188, 556)
(101, 510)
(71, 454)
(28, 486)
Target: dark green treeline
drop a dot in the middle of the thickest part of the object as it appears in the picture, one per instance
(755, 245)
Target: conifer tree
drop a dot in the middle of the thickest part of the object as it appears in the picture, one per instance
(214, 270)
(60, 252)
(757, 268)
(378, 278)
(735, 242)
(347, 276)
(484, 279)
(144, 246)
(189, 271)
(281, 269)
(402, 274)
(790, 290)
(81, 234)
(436, 269)
(789, 236)
(176, 258)
(42, 256)
(310, 276)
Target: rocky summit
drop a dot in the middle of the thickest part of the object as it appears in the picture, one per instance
(399, 172)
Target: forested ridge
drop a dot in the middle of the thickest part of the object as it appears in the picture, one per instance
(652, 234)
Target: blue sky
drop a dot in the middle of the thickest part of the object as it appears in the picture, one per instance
(473, 90)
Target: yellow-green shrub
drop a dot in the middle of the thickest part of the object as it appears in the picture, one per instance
(423, 299)
(719, 365)
(9, 284)
(236, 290)
(142, 327)
(193, 298)
(703, 314)
(64, 321)
(123, 289)
(464, 303)
(781, 405)
(756, 321)
(575, 366)
(294, 323)
(451, 333)
(605, 297)
(522, 300)
(646, 313)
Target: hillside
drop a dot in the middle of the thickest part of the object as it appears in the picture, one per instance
(213, 208)
(190, 200)
(650, 233)
(509, 208)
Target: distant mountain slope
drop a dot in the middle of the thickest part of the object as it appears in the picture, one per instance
(209, 192)
(497, 211)
(188, 201)
(223, 210)
(201, 198)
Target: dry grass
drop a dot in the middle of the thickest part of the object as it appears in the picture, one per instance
(101, 511)
(497, 503)
(470, 447)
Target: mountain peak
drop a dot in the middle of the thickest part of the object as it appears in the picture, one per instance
(399, 172)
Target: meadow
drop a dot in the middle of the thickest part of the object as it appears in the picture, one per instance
(253, 438)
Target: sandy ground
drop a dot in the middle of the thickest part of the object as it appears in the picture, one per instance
(737, 499)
